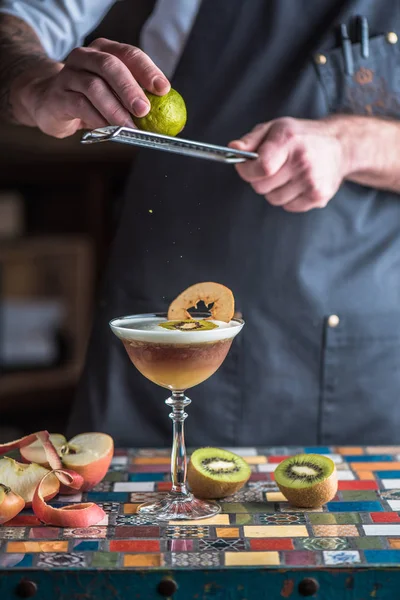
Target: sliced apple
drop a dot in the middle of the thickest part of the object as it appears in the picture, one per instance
(36, 453)
(23, 479)
(88, 454)
(10, 504)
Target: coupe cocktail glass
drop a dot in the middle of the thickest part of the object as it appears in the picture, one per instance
(176, 360)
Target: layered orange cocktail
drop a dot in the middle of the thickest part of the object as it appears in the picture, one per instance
(176, 354)
(178, 350)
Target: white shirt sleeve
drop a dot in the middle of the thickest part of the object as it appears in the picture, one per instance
(61, 25)
(165, 33)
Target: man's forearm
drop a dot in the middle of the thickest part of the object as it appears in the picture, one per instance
(371, 148)
(21, 55)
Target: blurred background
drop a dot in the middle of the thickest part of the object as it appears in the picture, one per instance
(59, 203)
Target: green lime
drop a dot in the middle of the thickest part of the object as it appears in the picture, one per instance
(167, 114)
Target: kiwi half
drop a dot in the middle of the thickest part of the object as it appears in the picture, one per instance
(216, 473)
(189, 325)
(307, 480)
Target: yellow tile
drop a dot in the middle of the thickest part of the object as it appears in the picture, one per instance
(276, 497)
(375, 466)
(366, 476)
(394, 543)
(157, 460)
(130, 509)
(275, 531)
(335, 531)
(349, 450)
(142, 560)
(20, 547)
(255, 460)
(227, 532)
(217, 520)
(242, 559)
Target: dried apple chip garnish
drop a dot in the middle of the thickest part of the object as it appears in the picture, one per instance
(221, 298)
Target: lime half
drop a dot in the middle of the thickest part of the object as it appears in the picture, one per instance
(167, 114)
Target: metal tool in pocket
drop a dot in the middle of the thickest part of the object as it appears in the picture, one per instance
(145, 139)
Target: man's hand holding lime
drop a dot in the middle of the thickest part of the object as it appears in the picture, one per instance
(100, 85)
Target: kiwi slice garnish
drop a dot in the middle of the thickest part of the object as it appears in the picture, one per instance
(307, 480)
(189, 325)
(216, 473)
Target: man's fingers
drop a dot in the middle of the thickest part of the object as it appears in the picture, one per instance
(101, 97)
(251, 141)
(301, 204)
(77, 106)
(268, 184)
(139, 64)
(271, 158)
(114, 73)
(285, 194)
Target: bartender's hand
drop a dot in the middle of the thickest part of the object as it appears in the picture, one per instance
(96, 86)
(301, 163)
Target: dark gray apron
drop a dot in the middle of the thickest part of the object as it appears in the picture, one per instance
(290, 377)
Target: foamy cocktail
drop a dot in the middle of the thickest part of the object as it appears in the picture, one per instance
(178, 358)
(178, 351)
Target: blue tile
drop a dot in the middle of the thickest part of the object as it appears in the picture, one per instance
(146, 476)
(317, 450)
(108, 497)
(381, 557)
(86, 546)
(388, 474)
(354, 507)
(369, 458)
(16, 560)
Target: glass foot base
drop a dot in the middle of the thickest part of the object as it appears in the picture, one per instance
(179, 507)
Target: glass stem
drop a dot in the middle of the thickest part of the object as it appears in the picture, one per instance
(178, 402)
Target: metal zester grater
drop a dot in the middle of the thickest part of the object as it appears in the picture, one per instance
(145, 139)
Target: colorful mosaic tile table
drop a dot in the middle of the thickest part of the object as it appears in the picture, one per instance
(258, 547)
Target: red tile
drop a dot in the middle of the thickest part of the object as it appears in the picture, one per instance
(134, 546)
(120, 452)
(259, 477)
(149, 469)
(276, 459)
(271, 476)
(44, 533)
(301, 557)
(385, 517)
(357, 485)
(164, 486)
(137, 532)
(271, 544)
(23, 520)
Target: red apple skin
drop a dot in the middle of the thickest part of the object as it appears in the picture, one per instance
(11, 506)
(92, 473)
(49, 496)
(75, 515)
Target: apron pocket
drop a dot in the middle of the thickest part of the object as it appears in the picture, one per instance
(360, 379)
(373, 89)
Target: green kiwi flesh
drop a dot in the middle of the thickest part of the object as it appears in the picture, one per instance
(307, 480)
(216, 473)
(189, 325)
